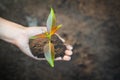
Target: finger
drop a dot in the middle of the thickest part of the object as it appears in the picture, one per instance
(58, 59)
(68, 52)
(60, 38)
(32, 31)
(66, 58)
(69, 47)
(41, 59)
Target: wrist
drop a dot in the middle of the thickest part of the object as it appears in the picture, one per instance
(10, 31)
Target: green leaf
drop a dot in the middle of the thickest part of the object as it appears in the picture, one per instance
(49, 53)
(51, 21)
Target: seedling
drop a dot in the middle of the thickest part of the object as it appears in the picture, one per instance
(49, 51)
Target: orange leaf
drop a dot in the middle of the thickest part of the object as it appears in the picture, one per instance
(54, 29)
(39, 36)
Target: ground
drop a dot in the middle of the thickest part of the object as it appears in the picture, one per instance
(91, 26)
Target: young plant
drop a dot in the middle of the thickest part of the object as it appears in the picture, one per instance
(49, 51)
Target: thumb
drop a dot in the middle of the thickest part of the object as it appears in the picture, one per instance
(32, 31)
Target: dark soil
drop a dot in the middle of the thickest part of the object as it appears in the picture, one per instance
(37, 46)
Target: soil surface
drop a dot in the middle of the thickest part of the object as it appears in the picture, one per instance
(37, 46)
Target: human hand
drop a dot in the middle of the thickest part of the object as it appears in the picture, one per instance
(19, 36)
(32, 31)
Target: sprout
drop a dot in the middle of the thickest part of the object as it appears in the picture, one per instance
(49, 51)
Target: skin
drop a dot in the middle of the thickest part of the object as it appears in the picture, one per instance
(19, 35)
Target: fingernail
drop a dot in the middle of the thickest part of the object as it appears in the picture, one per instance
(67, 58)
(68, 52)
(69, 47)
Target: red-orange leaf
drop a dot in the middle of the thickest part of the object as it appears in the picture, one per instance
(54, 29)
(39, 36)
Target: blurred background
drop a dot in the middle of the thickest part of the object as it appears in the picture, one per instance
(91, 26)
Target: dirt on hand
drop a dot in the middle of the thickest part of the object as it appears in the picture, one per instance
(37, 46)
